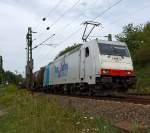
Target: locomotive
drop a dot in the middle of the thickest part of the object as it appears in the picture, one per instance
(95, 67)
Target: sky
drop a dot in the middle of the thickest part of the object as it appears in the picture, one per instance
(65, 18)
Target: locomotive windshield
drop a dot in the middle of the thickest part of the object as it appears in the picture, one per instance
(116, 50)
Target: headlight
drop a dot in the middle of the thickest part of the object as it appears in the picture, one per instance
(129, 72)
(105, 71)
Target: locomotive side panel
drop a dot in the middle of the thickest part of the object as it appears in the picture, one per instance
(89, 58)
(73, 62)
(46, 78)
(65, 70)
(57, 71)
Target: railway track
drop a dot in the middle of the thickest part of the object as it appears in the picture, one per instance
(135, 98)
(128, 98)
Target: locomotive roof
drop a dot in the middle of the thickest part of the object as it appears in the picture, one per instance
(110, 42)
(70, 52)
(88, 43)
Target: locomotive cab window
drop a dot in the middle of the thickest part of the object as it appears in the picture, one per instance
(87, 52)
(115, 50)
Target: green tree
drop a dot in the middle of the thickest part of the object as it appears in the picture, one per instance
(12, 78)
(138, 41)
(132, 36)
(142, 55)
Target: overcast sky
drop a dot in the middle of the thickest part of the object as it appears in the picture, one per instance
(18, 15)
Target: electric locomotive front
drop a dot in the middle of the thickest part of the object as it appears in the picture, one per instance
(116, 67)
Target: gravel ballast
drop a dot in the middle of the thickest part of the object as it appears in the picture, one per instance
(121, 114)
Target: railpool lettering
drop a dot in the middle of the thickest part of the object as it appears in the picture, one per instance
(61, 70)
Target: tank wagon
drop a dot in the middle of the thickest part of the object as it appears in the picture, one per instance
(97, 66)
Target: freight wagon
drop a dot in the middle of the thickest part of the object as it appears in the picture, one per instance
(38, 79)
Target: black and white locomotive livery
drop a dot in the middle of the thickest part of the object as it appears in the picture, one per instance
(97, 66)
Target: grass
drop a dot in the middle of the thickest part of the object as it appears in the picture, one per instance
(24, 113)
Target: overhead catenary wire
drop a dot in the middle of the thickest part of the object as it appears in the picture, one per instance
(67, 25)
(109, 8)
(54, 8)
(70, 36)
(76, 18)
(50, 12)
(99, 15)
(43, 41)
(136, 11)
(131, 14)
(61, 16)
(66, 39)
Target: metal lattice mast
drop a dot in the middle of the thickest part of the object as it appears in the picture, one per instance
(29, 66)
